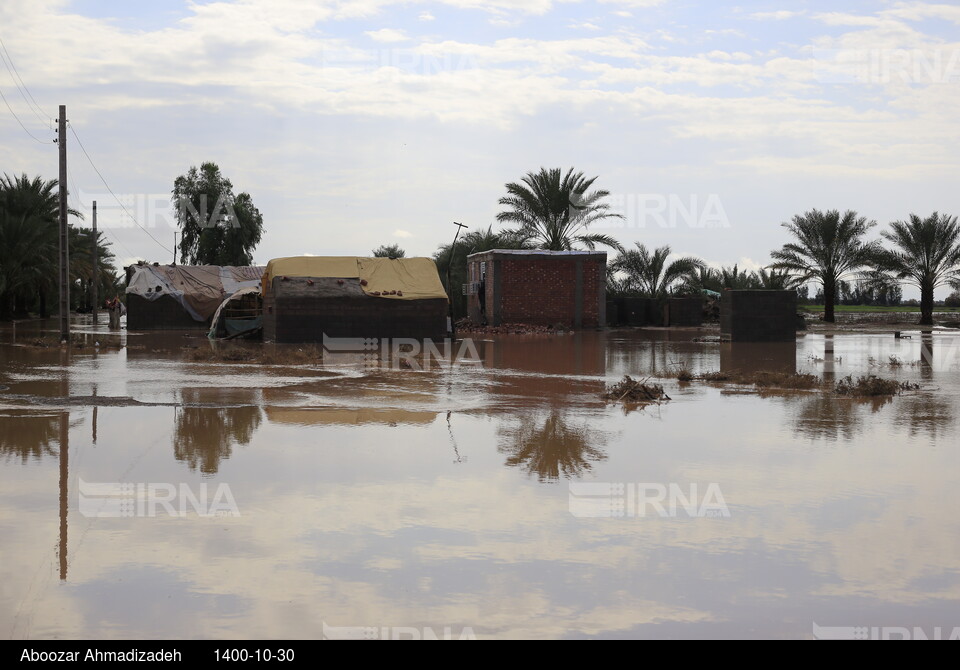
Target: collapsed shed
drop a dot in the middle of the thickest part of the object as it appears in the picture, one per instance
(308, 298)
(175, 297)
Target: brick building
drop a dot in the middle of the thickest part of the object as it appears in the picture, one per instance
(537, 287)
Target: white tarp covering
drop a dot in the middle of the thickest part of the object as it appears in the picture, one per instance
(200, 289)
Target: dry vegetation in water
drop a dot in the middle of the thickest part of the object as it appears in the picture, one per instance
(765, 379)
(871, 386)
(631, 390)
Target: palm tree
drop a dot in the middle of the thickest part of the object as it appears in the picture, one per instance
(29, 217)
(777, 280)
(926, 253)
(700, 279)
(472, 243)
(828, 246)
(735, 279)
(556, 210)
(81, 264)
(650, 274)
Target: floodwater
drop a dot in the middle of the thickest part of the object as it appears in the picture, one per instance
(147, 496)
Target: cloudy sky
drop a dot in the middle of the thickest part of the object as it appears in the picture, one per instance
(358, 123)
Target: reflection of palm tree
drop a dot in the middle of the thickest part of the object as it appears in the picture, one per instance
(205, 435)
(832, 418)
(924, 414)
(29, 437)
(551, 449)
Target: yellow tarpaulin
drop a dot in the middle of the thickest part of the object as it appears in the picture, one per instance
(400, 278)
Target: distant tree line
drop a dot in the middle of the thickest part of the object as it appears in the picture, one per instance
(553, 210)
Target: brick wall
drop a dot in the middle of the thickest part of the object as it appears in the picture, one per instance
(542, 290)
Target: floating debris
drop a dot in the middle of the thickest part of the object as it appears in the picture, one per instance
(631, 390)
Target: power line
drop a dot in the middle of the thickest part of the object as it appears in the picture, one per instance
(36, 107)
(4, 98)
(122, 206)
(105, 231)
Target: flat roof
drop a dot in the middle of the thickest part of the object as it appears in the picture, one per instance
(538, 252)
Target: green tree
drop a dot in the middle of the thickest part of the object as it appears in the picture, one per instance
(471, 243)
(650, 274)
(217, 227)
(29, 242)
(389, 251)
(699, 279)
(777, 280)
(556, 210)
(734, 279)
(81, 266)
(926, 253)
(828, 247)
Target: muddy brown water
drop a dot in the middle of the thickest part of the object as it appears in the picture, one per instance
(147, 496)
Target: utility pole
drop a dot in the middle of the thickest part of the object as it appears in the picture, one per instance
(64, 238)
(174, 247)
(451, 326)
(96, 269)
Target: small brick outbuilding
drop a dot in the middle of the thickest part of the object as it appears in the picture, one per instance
(536, 286)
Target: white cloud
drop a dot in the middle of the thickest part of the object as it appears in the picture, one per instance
(426, 16)
(387, 35)
(402, 233)
(779, 15)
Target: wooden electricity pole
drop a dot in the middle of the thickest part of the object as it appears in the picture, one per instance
(451, 324)
(64, 239)
(96, 269)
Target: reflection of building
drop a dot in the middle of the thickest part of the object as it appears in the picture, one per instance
(205, 435)
(307, 298)
(28, 436)
(759, 316)
(536, 286)
(337, 416)
(577, 354)
(747, 357)
(651, 312)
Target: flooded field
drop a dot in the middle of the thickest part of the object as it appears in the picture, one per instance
(145, 495)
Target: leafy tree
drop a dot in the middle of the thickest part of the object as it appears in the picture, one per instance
(736, 279)
(650, 274)
(471, 243)
(389, 251)
(29, 242)
(700, 279)
(777, 280)
(555, 210)
(828, 247)
(217, 227)
(926, 253)
(81, 266)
